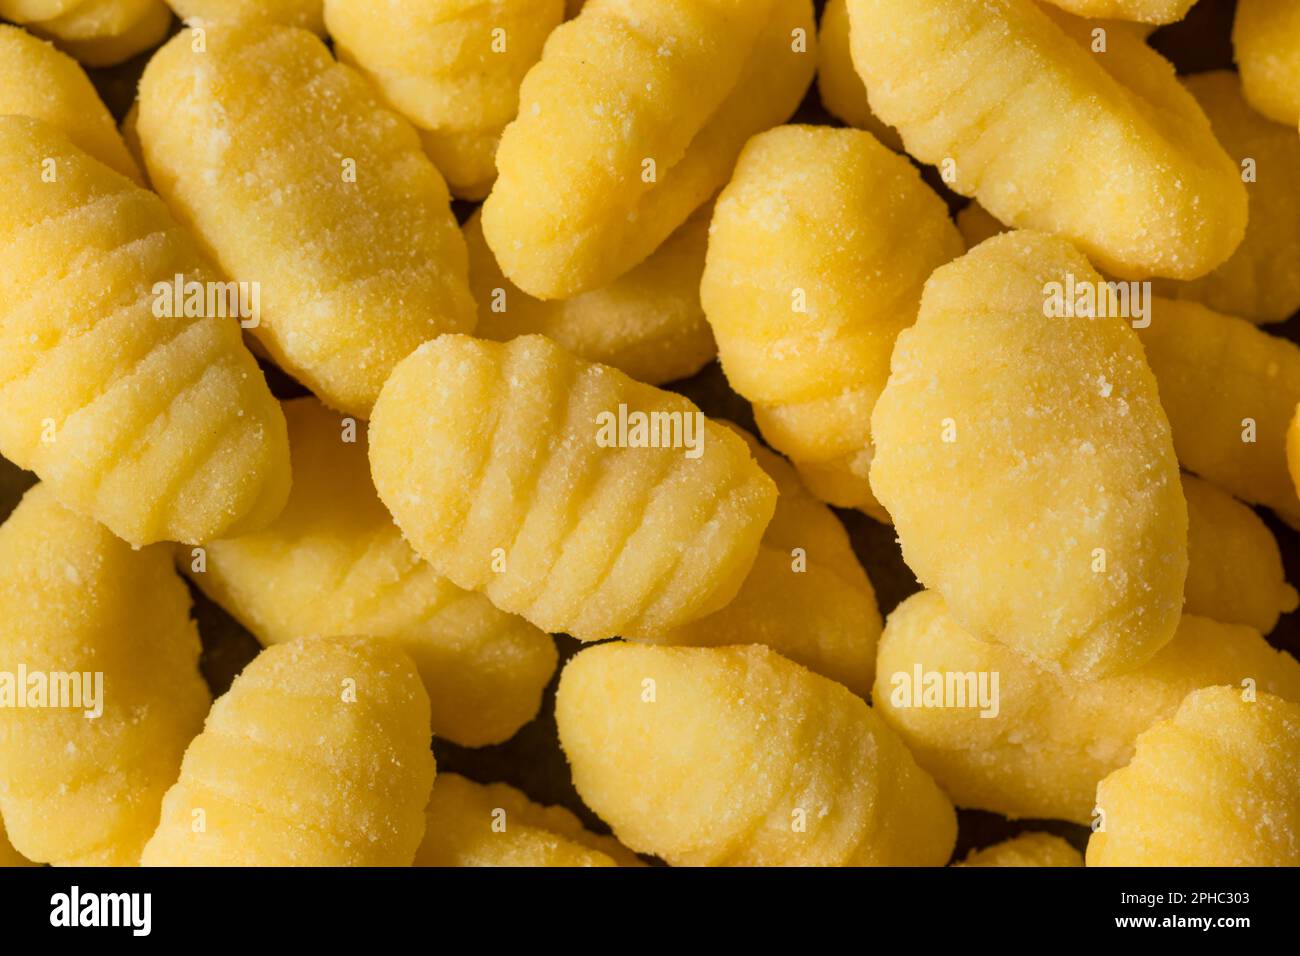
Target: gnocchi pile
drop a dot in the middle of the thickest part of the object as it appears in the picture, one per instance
(488, 434)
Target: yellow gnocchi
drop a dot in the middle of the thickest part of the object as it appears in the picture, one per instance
(1010, 438)
(1266, 44)
(1230, 391)
(1234, 567)
(817, 254)
(155, 422)
(100, 689)
(1214, 785)
(1028, 849)
(1000, 95)
(807, 597)
(568, 493)
(308, 14)
(838, 83)
(648, 322)
(1261, 281)
(37, 80)
(1000, 733)
(630, 121)
(318, 755)
(484, 670)
(101, 32)
(452, 67)
(1141, 11)
(470, 824)
(336, 216)
(838, 787)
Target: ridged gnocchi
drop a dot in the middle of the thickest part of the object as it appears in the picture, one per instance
(838, 83)
(472, 824)
(318, 755)
(514, 470)
(1000, 95)
(838, 787)
(817, 254)
(100, 32)
(37, 80)
(484, 669)
(156, 424)
(337, 214)
(1049, 738)
(647, 323)
(1214, 785)
(1007, 439)
(88, 615)
(308, 14)
(452, 67)
(630, 121)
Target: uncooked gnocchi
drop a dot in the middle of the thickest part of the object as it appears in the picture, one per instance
(1000, 94)
(134, 408)
(631, 120)
(336, 217)
(1028, 849)
(566, 492)
(318, 755)
(484, 669)
(308, 14)
(96, 32)
(93, 736)
(1035, 744)
(1011, 439)
(817, 254)
(1266, 41)
(1214, 785)
(839, 788)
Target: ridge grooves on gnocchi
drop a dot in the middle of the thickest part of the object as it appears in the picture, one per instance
(294, 176)
(292, 771)
(487, 456)
(161, 428)
(1002, 91)
(630, 121)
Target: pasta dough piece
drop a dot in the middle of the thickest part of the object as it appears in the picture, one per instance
(452, 67)
(1234, 567)
(647, 323)
(160, 427)
(1141, 11)
(838, 83)
(1229, 390)
(77, 602)
(1003, 93)
(504, 467)
(1261, 282)
(818, 251)
(1266, 44)
(1028, 849)
(318, 755)
(807, 597)
(632, 120)
(484, 669)
(37, 80)
(1028, 465)
(308, 14)
(1051, 738)
(288, 168)
(757, 762)
(1214, 785)
(107, 32)
(975, 223)
(469, 824)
